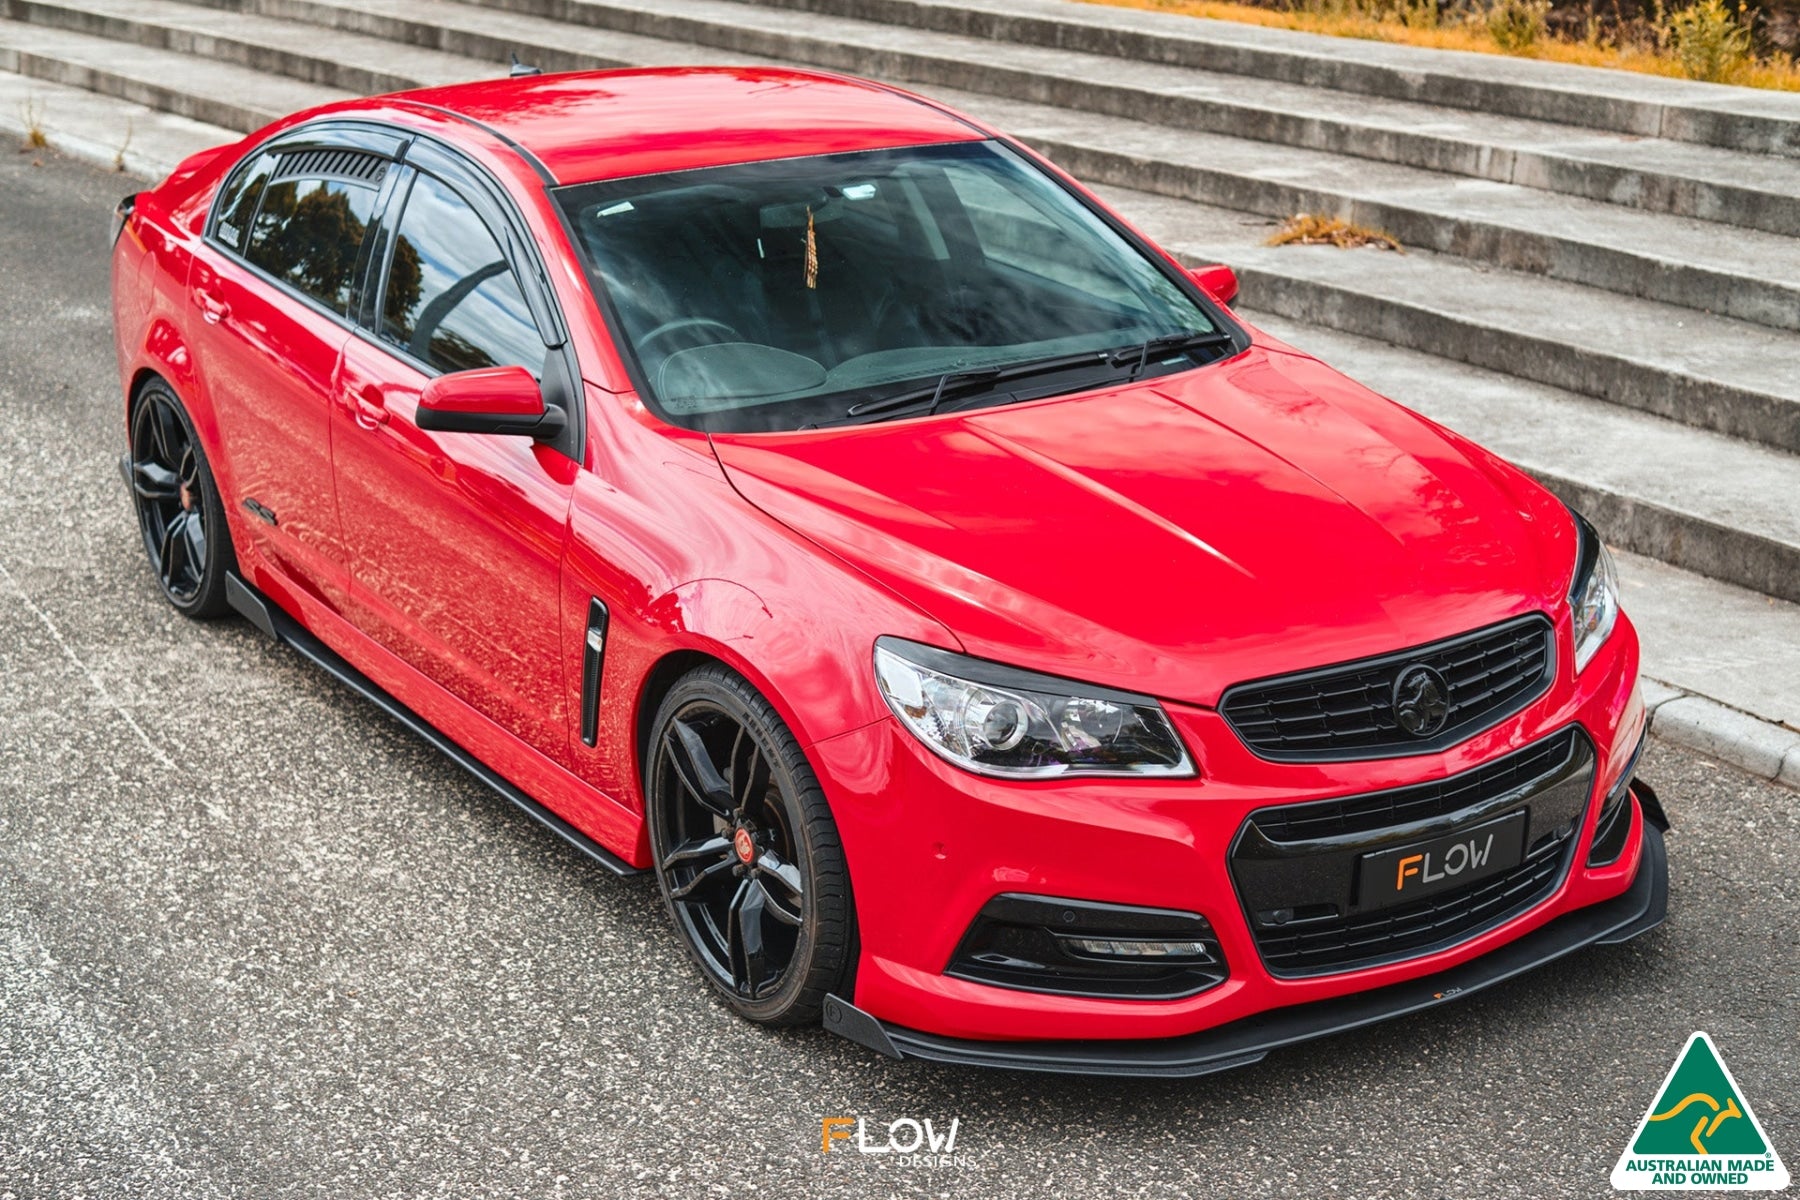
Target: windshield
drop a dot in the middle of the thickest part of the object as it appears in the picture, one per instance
(780, 295)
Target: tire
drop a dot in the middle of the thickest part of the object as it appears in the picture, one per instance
(722, 767)
(179, 511)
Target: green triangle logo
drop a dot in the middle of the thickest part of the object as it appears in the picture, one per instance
(1699, 1133)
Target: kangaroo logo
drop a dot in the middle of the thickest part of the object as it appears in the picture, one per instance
(1709, 1121)
(1700, 1133)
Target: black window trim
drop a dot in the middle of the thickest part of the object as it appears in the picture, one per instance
(358, 272)
(405, 149)
(378, 141)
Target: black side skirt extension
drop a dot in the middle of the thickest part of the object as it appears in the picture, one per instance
(1241, 1043)
(268, 617)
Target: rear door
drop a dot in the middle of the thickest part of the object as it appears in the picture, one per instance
(269, 302)
(456, 539)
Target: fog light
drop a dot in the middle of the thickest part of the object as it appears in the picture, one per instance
(1088, 948)
(1115, 948)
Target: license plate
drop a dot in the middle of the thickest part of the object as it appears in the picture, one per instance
(1413, 872)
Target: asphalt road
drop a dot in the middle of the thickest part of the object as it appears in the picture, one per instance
(256, 940)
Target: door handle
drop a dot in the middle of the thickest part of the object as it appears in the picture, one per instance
(371, 408)
(212, 309)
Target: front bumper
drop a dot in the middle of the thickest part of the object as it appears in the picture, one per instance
(1640, 908)
(929, 846)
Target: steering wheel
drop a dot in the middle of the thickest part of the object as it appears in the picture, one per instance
(682, 324)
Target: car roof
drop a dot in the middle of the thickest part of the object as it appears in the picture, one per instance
(593, 125)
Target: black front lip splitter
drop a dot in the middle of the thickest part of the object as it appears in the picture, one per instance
(1639, 909)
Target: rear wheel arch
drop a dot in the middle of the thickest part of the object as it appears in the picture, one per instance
(165, 355)
(176, 497)
(144, 377)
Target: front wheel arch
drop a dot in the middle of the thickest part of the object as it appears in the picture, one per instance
(770, 791)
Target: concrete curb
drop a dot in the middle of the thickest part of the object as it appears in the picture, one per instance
(1749, 743)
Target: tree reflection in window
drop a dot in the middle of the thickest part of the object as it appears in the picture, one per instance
(307, 234)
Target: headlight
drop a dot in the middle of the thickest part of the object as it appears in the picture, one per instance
(998, 720)
(1594, 593)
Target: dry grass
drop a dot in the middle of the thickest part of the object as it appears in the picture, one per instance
(119, 154)
(33, 114)
(1306, 229)
(1778, 73)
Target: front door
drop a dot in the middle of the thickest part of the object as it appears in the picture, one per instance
(456, 539)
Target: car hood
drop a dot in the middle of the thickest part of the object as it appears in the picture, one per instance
(1178, 535)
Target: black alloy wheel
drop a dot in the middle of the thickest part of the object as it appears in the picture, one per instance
(178, 505)
(746, 852)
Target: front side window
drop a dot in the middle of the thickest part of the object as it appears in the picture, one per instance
(451, 299)
(838, 288)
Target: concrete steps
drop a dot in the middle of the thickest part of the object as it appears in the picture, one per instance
(1753, 276)
(271, 47)
(222, 94)
(1567, 333)
(1617, 101)
(1750, 275)
(1658, 174)
(1704, 371)
(1620, 352)
(117, 135)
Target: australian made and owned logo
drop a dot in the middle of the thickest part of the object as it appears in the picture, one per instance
(1699, 1133)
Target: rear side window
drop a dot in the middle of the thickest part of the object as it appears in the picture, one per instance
(452, 301)
(309, 232)
(237, 202)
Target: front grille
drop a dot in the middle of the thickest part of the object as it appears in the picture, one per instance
(1399, 806)
(1295, 865)
(1414, 928)
(1347, 711)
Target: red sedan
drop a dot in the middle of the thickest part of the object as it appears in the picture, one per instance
(995, 647)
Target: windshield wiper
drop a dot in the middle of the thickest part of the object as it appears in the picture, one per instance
(948, 381)
(927, 400)
(1187, 339)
